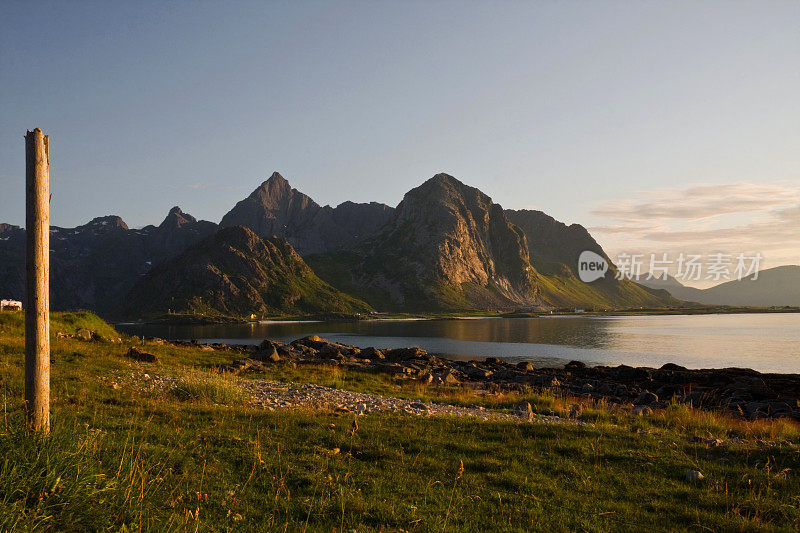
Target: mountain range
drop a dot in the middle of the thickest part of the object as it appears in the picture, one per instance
(445, 247)
(774, 287)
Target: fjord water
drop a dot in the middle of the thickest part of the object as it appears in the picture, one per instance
(763, 342)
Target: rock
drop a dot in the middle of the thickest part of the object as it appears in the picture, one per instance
(641, 410)
(672, 367)
(693, 476)
(627, 373)
(449, 377)
(268, 345)
(478, 373)
(372, 353)
(142, 357)
(524, 410)
(266, 353)
(753, 409)
(493, 361)
(403, 354)
(311, 341)
(646, 398)
(330, 351)
(83, 334)
(525, 366)
(575, 365)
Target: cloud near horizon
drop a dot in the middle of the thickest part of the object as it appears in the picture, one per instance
(705, 219)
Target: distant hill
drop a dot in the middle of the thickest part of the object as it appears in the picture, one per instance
(779, 286)
(235, 273)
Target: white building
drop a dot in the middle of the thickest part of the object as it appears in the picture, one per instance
(10, 305)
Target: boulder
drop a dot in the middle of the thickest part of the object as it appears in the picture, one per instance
(372, 353)
(672, 367)
(693, 476)
(575, 365)
(401, 354)
(84, 334)
(311, 341)
(525, 366)
(524, 410)
(646, 398)
(140, 356)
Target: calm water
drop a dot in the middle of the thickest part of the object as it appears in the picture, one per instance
(765, 342)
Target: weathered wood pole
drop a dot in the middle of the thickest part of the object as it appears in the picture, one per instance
(37, 289)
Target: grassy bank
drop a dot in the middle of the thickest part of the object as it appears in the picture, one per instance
(197, 454)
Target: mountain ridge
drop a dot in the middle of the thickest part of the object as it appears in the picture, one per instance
(235, 273)
(775, 287)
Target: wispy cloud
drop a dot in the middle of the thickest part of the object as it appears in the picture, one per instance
(698, 202)
(702, 218)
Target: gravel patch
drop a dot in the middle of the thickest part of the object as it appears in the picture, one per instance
(275, 395)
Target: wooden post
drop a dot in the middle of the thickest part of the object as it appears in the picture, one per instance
(37, 288)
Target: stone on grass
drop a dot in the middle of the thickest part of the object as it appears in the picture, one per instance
(641, 410)
(83, 334)
(142, 357)
(524, 410)
(693, 475)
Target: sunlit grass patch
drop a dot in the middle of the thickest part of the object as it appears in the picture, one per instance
(206, 387)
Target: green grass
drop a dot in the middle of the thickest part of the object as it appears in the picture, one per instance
(123, 457)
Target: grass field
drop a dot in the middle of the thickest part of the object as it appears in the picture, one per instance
(198, 455)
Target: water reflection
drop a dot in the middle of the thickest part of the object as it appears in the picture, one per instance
(767, 342)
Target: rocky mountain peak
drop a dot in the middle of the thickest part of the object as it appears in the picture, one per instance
(104, 224)
(276, 193)
(177, 218)
(275, 208)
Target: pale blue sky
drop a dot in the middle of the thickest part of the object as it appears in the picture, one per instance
(570, 107)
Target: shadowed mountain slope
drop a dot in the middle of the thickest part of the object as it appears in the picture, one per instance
(235, 273)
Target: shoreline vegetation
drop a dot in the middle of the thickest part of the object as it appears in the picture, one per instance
(200, 319)
(187, 441)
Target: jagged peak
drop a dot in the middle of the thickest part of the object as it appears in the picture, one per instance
(445, 179)
(275, 182)
(445, 187)
(177, 218)
(108, 221)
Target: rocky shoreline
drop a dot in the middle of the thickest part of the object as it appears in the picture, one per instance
(742, 392)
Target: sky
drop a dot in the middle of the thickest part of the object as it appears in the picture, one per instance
(663, 127)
